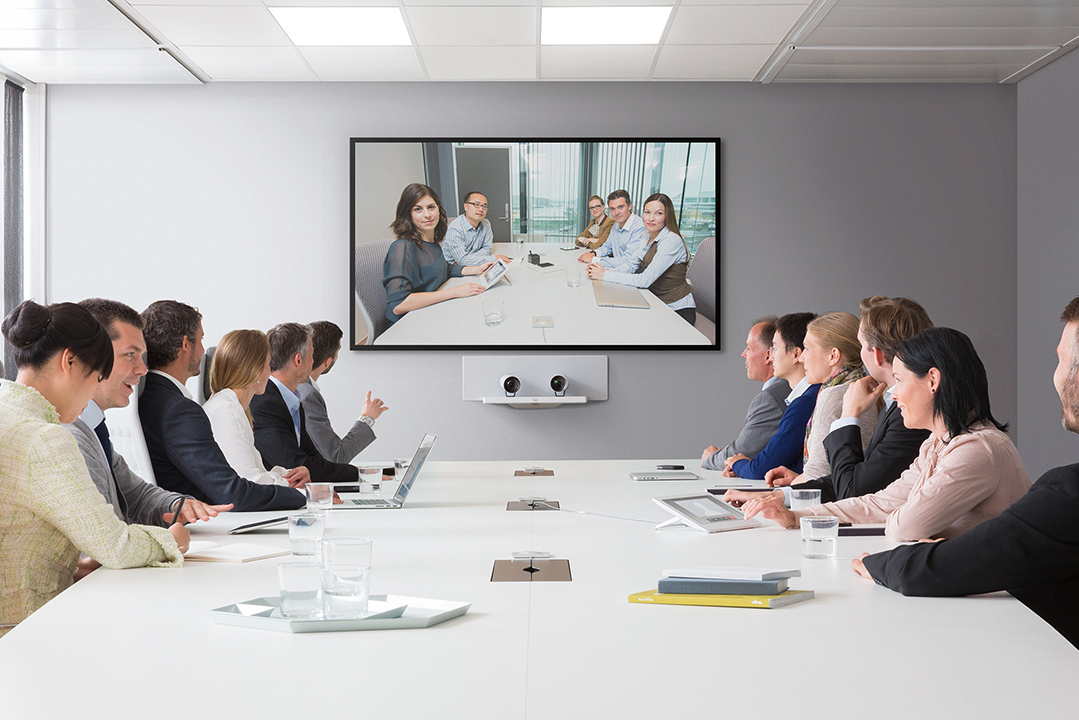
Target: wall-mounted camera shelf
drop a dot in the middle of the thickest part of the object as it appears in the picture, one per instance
(482, 378)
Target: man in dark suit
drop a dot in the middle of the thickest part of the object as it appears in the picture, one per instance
(1031, 549)
(178, 434)
(885, 323)
(280, 424)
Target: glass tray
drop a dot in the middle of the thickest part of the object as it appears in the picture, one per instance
(389, 612)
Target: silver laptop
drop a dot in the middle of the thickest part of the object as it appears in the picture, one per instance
(664, 475)
(615, 295)
(361, 503)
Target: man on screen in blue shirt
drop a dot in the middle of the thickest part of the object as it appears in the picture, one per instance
(626, 244)
(469, 237)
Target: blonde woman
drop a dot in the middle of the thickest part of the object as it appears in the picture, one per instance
(240, 369)
(50, 509)
(599, 227)
(832, 357)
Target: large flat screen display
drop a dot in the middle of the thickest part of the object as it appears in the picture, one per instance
(604, 244)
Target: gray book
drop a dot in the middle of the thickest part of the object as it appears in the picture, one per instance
(708, 586)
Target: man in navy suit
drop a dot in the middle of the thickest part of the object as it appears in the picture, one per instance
(1031, 549)
(280, 424)
(185, 457)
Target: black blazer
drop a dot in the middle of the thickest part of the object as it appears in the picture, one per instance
(891, 450)
(187, 460)
(1031, 550)
(275, 438)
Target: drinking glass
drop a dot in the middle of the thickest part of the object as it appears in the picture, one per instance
(346, 577)
(301, 589)
(305, 530)
(820, 534)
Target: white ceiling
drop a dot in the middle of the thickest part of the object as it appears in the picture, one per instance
(191, 41)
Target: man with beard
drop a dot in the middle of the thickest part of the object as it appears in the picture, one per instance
(1031, 549)
(179, 438)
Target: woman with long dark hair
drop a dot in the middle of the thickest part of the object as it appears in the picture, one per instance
(50, 509)
(666, 259)
(968, 471)
(415, 269)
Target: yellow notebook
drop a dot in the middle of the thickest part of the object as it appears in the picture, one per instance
(788, 597)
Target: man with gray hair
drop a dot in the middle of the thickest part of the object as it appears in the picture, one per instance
(280, 425)
(766, 410)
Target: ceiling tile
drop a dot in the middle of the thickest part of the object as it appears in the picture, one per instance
(62, 19)
(918, 56)
(949, 16)
(915, 37)
(480, 63)
(211, 3)
(249, 63)
(711, 62)
(470, 3)
(596, 63)
(364, 63)
(732, 25)
(76, 38)
(205, 25)
(329, 3)
(95, 66)
(897, 73)
(488, 26)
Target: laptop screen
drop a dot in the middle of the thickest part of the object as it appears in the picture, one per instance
(414, 467)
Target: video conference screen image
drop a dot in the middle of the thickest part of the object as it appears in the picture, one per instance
(489, 244)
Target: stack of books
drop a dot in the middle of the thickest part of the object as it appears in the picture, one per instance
(725, 587)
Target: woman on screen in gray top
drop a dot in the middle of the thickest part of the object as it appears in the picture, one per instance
(414, 269)
(666, 259)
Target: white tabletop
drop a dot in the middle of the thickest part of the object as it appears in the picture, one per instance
(121, 641)
(578, 320)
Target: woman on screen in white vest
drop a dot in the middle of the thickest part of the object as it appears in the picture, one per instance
(415, 269)
(666, 259)
(966, 472)
(50, 508)
(239, 371)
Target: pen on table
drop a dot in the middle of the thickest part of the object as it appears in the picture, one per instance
(176, 514)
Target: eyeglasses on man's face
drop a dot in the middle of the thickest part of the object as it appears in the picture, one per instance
(478, 206)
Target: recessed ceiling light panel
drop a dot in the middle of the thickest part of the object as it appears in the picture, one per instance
(609, 25)
(343, 26)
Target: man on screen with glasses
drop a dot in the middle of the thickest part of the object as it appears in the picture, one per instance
(469, 237)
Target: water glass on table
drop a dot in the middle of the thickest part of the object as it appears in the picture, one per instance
(492, 312)
(371, 480)
(573, 276)
(319, 497)
(820, 533)
(301, 589)
(802, 499)
(305, 531)
(346, 577)
(400, 465)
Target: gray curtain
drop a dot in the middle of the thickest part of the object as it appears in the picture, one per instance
(13, 210)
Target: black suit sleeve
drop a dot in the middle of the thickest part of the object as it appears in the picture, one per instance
(191, 448)
(275, 439)
(854, 474)
(1031, 549)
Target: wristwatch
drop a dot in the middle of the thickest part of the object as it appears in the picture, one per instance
(370, 421)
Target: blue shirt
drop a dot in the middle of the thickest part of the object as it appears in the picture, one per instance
(625, 246)
(293, 404)
(466, 245)
(413, 267)
(786, 446)
(670, 250)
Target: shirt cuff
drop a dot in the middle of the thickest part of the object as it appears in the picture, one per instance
(844, 422)
(786, 495)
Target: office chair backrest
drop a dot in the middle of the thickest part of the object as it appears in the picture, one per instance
(204, 377)
(370, 292)
(702, 275)
(125, 432)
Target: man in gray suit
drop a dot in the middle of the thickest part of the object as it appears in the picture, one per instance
(134, 500)
(766, 410)
(326, 344)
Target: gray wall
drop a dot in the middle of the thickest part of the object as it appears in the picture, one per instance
(1048, 252)
(214, 195)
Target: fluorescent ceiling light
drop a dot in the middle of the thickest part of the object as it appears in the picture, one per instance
(343, 25)
(608, 25)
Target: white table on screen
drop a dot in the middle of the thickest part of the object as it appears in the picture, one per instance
(578, 320)
(121, 640)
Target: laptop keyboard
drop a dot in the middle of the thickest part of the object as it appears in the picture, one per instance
(376, 503)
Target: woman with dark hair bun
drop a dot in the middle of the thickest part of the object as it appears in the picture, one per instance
(50, 509)
(968, 471)
(415, 269)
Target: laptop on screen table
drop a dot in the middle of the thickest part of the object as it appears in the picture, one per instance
(614, 295)
(398, 499)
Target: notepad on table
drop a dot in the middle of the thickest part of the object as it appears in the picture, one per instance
(767, 602)
(205, 551)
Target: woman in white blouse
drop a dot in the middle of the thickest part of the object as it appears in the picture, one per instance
(240, 370)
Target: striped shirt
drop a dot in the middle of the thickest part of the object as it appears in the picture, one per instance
(466, 245)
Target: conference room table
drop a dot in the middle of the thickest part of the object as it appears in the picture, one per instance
(141, 642)
(577, 319)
